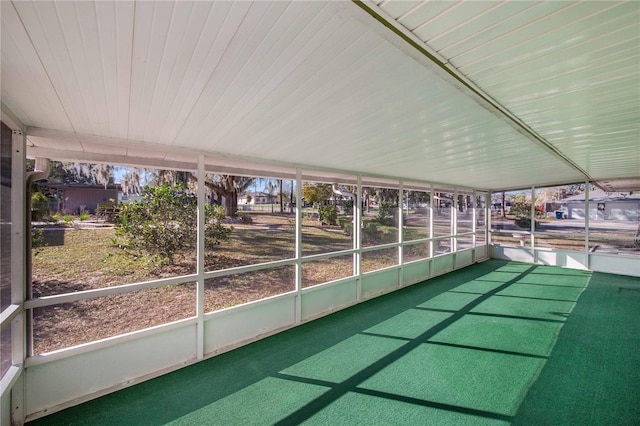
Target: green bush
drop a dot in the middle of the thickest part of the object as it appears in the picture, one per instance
(164, 222)
(328, 214)
(347, 225)
(348, 206)
(385, 213)
(84, 216)
(525, 222)
(37, 240)
(370, 232)
(38, 205)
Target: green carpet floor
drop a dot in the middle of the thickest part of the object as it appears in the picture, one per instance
(494, 343)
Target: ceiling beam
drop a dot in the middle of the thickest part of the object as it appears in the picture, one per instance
(215, 162)
(10, 119)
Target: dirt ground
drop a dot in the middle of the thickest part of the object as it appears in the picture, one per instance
(84, 257)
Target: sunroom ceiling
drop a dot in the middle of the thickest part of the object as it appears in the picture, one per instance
(338, 86)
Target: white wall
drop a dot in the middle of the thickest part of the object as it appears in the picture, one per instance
(609, 263)
(68, 377)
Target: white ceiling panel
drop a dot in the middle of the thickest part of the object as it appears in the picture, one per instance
(570, 71)
(526, 93)
(32, 99)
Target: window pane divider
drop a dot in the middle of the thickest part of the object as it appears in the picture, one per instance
(43, 301)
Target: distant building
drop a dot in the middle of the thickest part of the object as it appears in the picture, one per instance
(73, 198)
(257, 197)
(603, 206)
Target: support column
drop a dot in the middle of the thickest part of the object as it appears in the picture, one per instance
(298, 299)
(587, 217)
(474, 218)
(357, 242)
(200, 261)
(454, 221)
(400, 232)
(487, 214)
(21, 335)
(431, 197)
(532, 216)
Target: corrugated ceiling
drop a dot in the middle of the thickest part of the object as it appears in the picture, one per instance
(527, 93)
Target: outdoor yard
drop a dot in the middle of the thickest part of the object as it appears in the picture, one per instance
(84, 255)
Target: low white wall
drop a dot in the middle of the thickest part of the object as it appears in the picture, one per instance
(481, 253)
(65, 378)
(442, 264)
(319, 300)
(519, 254)
(380, 282)
(463, 258)
(564, 258)
(615, 264)
(599, 262)
(71, 379)
(416, 272)
(233, 326)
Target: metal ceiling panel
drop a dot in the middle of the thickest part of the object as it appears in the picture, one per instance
(327, 86)
(569, 70)
(18, 60)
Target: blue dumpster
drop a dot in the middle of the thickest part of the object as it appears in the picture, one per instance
(558, 215)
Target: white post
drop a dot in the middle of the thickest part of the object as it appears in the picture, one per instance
(587, 214)
(431, 227)
(400, 232)
(473, 225)
(487, 214)
(200, 260)
(358, 240)
(454, 221)
(298, 298)
(20, 335)
(532, 216)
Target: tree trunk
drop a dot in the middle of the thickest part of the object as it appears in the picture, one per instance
(291, 198)
(504, 206)
(231, 203)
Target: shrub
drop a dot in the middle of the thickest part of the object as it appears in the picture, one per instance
(385, 213)
(525, 222)
(164, 222)
(84, 216)
(245, 219)
(37, 240)
(328, 214)
(348, 207)
(370, 233)
(347, 225)
(38, 205)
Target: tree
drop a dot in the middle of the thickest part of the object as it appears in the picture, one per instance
(270, 188)
(164, 222)
(228, 187)
(99, 174)
(520, 205)
(385, 195)
(417, 197)
(328, 214)
(316, 193)
(81, 173)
